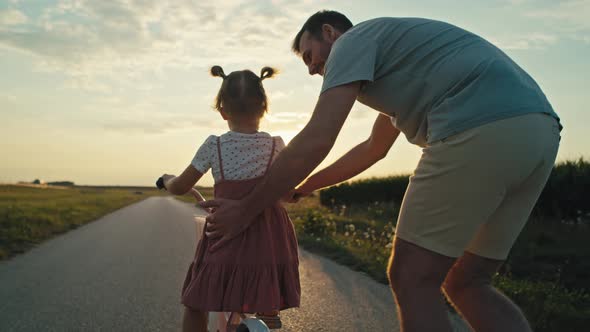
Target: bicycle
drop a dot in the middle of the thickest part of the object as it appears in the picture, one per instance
(227, 321)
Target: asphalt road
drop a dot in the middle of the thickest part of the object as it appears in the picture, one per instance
(124, 272)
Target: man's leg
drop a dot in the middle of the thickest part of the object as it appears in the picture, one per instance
(469, 287)
(416, 275)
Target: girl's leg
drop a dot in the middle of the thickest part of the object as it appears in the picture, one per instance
(271, 319)
(194, 320)
(269, 313)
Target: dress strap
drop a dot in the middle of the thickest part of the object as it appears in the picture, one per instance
(272, 152)
(219, 156)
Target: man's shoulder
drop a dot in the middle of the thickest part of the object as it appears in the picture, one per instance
(389, 20)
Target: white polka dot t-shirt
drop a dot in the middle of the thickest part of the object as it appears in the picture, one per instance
(244, 156)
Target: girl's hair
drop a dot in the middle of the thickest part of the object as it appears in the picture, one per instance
(241, 92)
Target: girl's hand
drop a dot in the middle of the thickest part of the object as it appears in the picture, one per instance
(162, 182)
(167, 177)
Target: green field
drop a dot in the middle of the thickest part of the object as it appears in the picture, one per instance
(29, 215)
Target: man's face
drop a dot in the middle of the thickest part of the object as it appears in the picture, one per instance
(314, 53)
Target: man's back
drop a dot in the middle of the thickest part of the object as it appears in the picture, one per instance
(434, 78)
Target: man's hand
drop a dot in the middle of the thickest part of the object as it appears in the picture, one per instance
(228, 219)
(295, 195)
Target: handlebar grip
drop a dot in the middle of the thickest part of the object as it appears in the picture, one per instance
(160, 183)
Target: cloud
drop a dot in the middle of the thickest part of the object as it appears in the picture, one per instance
(516, 2)
(535, 41)
(12, 17)
(567, 18)
(95, 40)
(571, 14)
(8, 97)
(144, 126)
(278, 95)
(156, 115)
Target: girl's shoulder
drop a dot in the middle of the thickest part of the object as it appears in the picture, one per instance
(279, 141)
(211, 140)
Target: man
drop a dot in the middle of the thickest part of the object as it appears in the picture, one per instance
(489, 139)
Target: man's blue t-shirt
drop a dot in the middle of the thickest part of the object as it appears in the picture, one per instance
(434, 79)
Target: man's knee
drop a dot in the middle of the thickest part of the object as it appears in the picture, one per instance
(414, 267)
(396, 273)
(470, 272)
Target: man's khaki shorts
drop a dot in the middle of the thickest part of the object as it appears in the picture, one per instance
(474, 191)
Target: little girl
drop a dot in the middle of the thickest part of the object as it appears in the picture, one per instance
(257, 271)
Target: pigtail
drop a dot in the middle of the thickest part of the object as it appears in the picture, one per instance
(267, 72)
(218, 72)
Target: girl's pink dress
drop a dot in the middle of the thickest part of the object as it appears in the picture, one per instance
(257, 271)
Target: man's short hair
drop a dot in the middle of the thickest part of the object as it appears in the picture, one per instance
(314, 25)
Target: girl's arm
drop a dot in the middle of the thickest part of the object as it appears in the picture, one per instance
(357, 159)
(182, 184)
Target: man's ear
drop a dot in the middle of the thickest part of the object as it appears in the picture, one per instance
(328, 32)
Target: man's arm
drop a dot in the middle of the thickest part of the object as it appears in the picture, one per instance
(357, 159)
(303, 154)
(307, 150)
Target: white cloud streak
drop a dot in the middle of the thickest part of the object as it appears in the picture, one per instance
(536, 41)
(97, 39)
(10, 17)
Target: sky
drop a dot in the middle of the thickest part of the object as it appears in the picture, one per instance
(119, 92)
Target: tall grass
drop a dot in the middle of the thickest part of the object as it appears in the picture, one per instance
(566, 197)
(547, 273)
(31, 215)
(567, 193)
